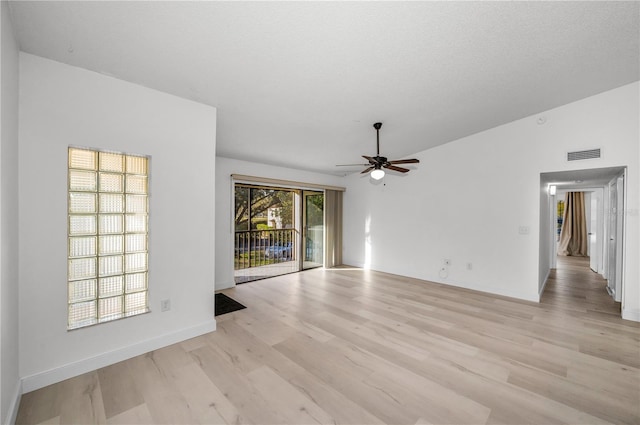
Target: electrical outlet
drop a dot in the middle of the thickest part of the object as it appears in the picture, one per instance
(447, 262)
(165, 305)
(444, 272)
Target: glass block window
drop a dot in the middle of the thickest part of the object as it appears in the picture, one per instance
(108, 255)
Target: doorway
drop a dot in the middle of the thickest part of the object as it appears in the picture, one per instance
(604, 194)
(276, 231)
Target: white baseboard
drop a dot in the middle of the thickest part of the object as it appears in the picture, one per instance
(52, 376)
(526, 296)
(631, 314)
(12, 413)
(533, 297)
(544, 285)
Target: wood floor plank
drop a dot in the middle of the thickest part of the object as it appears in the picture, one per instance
(246, 352)
(163, 399)
(461, 355)
(119, 391)
(136, 415)
(291, 404)
(350, 346)
(83, 401)
(40, 406)
(340, 370)
(270, 310)
(270, 331)
(194, 343)
(207, 403)
(610, 407)
(427, 398)
(235, 387)
(432, 342)
(417, 349)
(342, 410)
(52, 421)
(502, 349)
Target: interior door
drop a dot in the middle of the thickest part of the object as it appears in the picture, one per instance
(313, 229)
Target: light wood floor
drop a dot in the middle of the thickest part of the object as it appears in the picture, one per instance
(357, 347)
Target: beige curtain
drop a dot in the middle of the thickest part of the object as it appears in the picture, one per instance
(333, 228)
(573, 236)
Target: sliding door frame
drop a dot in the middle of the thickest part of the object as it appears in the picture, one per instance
(332, 220)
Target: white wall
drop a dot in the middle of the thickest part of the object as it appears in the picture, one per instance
(224, 229)
(9, 359)
(62, 105)
(454, 205)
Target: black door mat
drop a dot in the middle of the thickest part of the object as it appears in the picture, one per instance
(226, 305)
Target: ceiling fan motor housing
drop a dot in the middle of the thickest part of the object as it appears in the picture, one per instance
(378, 160)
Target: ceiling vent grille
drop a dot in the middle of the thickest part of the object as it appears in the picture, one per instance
(580, 155)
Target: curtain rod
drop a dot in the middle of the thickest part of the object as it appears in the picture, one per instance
(253, 179)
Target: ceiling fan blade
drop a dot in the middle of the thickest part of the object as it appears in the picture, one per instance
(369, 169)
(370, 159)
(405, 161)
(353, 165)
(394, 168)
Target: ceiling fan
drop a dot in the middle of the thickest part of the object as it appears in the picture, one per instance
(377, 163)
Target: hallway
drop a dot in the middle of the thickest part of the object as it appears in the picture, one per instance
(574, 286)
(581, 293)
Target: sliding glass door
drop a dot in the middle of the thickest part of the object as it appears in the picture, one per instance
(313, 229)
(266, 236)
(277, 231)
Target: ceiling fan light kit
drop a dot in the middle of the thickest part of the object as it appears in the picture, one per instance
(377, 174)
(377, 163)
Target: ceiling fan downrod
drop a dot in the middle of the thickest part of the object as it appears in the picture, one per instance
(377, 127)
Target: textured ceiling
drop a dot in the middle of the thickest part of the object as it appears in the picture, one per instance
(300, 84)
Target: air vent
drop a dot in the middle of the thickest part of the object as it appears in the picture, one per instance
(580, 155)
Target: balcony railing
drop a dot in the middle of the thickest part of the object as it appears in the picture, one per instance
(256, 248)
